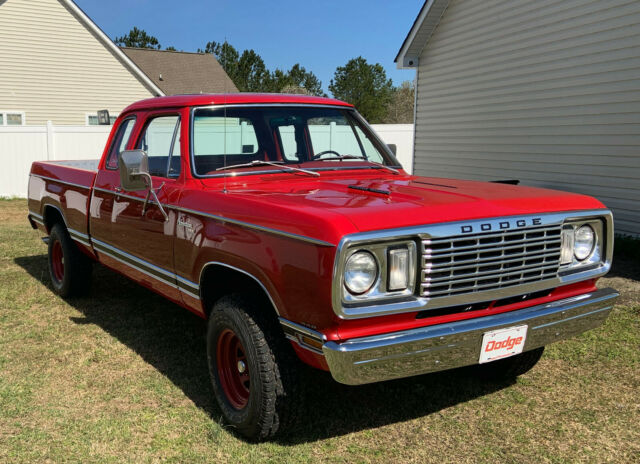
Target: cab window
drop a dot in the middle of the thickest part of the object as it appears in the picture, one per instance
(161, 141)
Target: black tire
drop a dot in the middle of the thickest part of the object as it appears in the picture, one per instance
(511, 367)
(275, 393)
(75, 276)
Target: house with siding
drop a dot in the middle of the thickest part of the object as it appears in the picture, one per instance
(57, 65)
(544, 92)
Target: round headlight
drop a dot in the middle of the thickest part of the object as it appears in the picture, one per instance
(585, 239)
(360, 272)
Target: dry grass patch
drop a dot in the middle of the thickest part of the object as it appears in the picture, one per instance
(120, 376)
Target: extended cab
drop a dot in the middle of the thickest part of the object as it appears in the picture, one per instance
(289, 226)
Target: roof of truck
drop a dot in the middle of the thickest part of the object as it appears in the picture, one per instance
(231, 98)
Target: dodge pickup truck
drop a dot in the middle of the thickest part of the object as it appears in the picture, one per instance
(288, 226)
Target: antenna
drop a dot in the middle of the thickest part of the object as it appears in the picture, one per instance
(224, 160)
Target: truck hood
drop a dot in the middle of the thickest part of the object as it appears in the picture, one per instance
(383, 202)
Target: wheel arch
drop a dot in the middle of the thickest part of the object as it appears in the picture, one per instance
(52, 215)
(218, 279)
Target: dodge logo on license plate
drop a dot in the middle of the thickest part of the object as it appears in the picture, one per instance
(502, 343)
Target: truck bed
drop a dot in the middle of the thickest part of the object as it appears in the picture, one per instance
(62, 187)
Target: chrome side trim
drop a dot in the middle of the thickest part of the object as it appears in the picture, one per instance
(71, 184)
(215, 217)
(36, 215)
(124, 195)
(79, 237)
(122, 256)
(147, 268)
(249, 225)
(456, 344)
(218, 263)
(78, 234)
(187, 292)
(188, 283)
(298, 328)
(36, 218)
(296, 333)
(418, 303)
(141, 262)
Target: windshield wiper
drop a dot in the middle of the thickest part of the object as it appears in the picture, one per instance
(353, 157)
(279, 164)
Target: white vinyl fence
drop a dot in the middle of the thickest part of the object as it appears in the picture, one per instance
(401, 135)
(22, 145)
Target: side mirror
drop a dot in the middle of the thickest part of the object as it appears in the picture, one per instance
(393, 148)
(134, 164)
(134, 176)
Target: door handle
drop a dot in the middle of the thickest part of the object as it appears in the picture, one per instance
(182, 221)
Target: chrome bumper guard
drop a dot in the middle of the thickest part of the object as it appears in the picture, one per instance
(456, 344)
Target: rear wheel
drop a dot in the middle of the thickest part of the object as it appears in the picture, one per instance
(69, 268)
(253, 369)
(510, 367)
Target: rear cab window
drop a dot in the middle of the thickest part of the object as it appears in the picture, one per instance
(120, 141)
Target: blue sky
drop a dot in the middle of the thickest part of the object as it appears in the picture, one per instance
(318, 35)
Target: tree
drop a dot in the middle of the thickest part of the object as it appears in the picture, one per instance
(247, 70)
(227, 56)
(249, 73)
(364, 85)
(296, 80)
(137, 38)
(252, 75)
(305, 80)
(171, 49)
(400, 108)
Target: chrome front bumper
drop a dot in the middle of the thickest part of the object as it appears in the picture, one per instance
(456, 344)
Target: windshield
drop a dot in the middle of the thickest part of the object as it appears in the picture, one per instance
(315, 137)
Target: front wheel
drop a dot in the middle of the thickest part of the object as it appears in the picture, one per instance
(253, 369)
(511, 367)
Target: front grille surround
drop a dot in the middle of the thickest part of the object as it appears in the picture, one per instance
(493, 232)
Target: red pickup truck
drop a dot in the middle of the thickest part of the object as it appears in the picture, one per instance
(288, 225)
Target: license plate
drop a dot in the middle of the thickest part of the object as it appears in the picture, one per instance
(502, 343)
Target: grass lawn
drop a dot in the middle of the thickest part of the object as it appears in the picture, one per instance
(121, 376)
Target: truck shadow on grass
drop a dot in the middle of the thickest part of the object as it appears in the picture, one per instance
(172, 340)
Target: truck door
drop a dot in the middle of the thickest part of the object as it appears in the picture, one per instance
(131, 232)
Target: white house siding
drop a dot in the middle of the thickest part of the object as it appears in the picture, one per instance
(544, 91)
(53, 68)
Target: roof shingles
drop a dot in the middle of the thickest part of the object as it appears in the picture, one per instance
(182, 72)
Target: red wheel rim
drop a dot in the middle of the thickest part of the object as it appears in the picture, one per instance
(233, 369)
(57, 261)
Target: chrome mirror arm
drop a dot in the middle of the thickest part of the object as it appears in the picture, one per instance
(151, 191)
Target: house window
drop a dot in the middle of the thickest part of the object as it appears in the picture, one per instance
(92, 119)
(12, 118)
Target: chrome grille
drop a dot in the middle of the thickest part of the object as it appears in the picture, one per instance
(488, 261)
